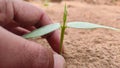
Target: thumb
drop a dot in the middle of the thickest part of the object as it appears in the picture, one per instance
(59, 61)
(16, 52)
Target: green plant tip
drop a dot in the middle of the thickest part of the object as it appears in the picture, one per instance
(65, 15)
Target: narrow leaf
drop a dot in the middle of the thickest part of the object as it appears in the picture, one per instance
(42, 31)
(86, 25)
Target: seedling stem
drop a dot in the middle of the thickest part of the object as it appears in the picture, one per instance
(63, 27)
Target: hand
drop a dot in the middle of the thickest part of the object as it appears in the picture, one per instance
(20, 18)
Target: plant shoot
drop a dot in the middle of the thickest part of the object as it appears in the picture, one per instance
(54, 26)
(63, 27)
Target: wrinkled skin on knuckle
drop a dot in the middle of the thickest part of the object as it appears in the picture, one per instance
(6, 12)
(26, 13)
(41, 56)
(6, 7)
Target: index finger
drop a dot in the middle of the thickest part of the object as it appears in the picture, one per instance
(29, 15)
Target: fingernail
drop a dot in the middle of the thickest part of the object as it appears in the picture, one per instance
(59, 61)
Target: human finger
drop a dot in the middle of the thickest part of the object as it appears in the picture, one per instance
(17, 52)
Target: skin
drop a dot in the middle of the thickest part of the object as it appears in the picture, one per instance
(18, 18)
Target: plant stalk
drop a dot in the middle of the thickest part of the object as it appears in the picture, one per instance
(63, 27)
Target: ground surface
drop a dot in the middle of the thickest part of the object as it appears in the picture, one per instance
(97, 48)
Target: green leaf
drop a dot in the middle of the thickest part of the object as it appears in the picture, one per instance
(43, 30)
(86, 25)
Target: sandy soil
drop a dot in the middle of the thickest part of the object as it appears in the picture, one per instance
(97, 48)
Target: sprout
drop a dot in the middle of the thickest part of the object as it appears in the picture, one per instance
(63, 27)
(46, 3)
(52, 27)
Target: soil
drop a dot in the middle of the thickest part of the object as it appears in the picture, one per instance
(96, 48)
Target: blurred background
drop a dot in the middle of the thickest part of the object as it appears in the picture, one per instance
(87, 1)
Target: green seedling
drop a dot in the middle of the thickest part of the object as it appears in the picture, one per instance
(46, 3)
(113, 1)
(52, 27)
(63, 27)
